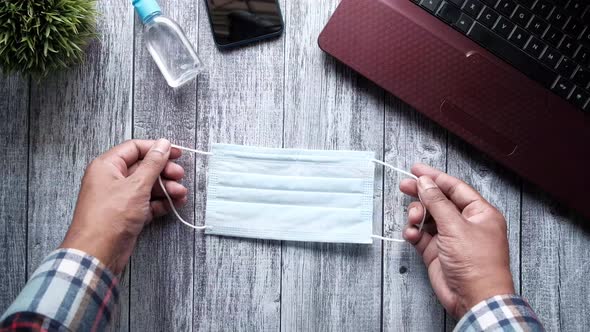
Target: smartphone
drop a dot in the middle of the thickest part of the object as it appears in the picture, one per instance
(240, 22)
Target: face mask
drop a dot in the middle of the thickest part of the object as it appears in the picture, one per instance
(289, 194)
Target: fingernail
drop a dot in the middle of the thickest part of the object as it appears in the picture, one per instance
(426, 182)
(162, 145)
(411, 210)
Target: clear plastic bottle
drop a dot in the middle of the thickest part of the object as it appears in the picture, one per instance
(168, 45)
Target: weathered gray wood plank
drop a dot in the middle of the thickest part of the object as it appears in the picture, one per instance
(498, 186)
(554, 264)
(162, 265)
(329, 287)
(240, 100)
(409, 303)
(75, 116)
(540, 256)
(574, 289)
(14, 135)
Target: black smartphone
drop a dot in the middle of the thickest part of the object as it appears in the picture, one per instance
(240, 22)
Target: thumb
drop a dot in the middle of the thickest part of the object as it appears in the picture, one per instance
(443, 211)
(153, 163)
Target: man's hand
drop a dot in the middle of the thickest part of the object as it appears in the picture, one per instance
(466, 253)
(119, 195)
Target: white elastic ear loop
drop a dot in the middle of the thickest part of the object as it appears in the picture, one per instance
(413, 177)
(191, 150)
(170, 199)
(386, 238)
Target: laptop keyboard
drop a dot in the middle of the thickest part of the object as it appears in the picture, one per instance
(547, 40)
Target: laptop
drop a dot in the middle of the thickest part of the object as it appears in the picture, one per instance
(511, 77)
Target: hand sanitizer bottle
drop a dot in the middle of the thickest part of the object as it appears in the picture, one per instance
(168, 45)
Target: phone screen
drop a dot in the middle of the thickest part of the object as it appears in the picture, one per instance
(240, 21)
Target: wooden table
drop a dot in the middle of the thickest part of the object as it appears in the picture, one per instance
(282, 93)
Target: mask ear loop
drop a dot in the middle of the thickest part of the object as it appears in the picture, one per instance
(170, 199)
(423, 207)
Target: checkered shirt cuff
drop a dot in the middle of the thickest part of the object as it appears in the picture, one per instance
(500, 313)
(71, 289)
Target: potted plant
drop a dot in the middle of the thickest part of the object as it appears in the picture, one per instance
(38, 37)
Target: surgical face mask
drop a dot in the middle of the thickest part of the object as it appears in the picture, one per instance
(289, 194)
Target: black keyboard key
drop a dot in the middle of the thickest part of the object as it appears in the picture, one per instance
(504, 27)
(585, 38)
(535, 47)
(575, 8)
(472, 7)
(431, 5)
(579, 97)
(550, 57)
(574, 28)
(563, 87)
(566, 67)
(464, 23)
(458, 3)
(506, 7)
(568, 46)
(583, 56)
(537, 26)
(521, 16)
(449, 13)
(542, 8)
(558, 18)
(526, 3)
(553, 36)
(512, 55)
(488, 17)
(490, 3)
(582, 77)
(519, 37)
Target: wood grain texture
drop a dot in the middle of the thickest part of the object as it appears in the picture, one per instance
(554, 264)
(497, 186)
(409, 303)
(162, 264)
(329, 287)
(240, 100)
(574, 269)
(75, 116)
(14, 135)
(540, 257)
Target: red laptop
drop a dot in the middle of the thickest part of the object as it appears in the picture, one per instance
(510, 77)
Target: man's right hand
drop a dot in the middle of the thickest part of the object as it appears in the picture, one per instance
(466, 253)
(120, 194)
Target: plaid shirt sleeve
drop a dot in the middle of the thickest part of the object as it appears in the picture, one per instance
(69, 291)
(500, 313)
